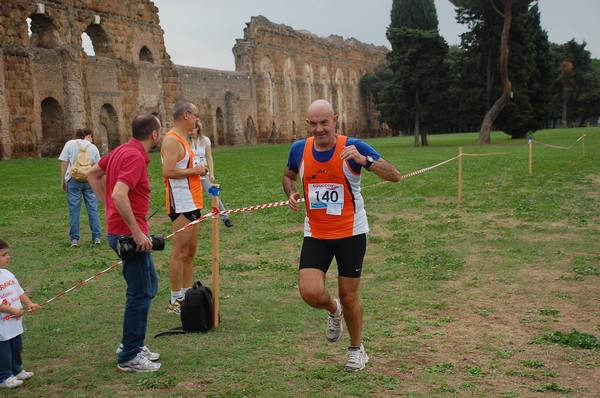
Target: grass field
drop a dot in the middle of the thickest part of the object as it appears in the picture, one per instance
(496, 296)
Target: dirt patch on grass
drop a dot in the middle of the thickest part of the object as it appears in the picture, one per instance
(487, 348)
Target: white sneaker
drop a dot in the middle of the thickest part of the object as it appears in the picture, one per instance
(357, 359)
(335, 328)
(140, 363)
(24, 375)
(11, 382)
(153, 356)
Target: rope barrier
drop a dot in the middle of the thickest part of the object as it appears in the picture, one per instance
(216, 213)
(559, 147)
(485, 154)
(208, 215)
(414, 173)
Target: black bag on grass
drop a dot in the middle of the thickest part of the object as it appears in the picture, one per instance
(196, 311)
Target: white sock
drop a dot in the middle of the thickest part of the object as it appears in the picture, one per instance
(175, 295)
(185, 289)
(338, 309)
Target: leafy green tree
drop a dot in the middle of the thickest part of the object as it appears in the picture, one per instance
(504, 8)
(417, 89)
(532, 75)
(578, 86)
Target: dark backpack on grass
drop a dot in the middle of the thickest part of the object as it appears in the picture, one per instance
(196, 311)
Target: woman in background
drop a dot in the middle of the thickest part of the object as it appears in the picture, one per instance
(201, 146)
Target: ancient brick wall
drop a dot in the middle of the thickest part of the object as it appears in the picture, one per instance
(292, 68)
(49, 86)
(224, 101)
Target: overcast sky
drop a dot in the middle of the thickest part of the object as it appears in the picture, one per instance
(202, 33)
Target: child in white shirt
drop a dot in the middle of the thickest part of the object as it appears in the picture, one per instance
(12, 298)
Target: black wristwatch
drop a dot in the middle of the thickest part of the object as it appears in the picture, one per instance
(369, 163)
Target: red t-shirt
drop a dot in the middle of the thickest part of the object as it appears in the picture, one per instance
(127, 163)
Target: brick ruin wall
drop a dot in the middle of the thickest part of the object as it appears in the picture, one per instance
(49, 87)
(291, 68)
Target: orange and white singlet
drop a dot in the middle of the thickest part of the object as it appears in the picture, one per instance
(183, 194)
(334, 204)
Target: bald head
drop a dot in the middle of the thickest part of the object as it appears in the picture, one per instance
(322, 107)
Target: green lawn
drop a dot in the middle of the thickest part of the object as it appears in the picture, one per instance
(460, 299)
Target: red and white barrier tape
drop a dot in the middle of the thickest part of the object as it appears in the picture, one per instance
(216, 213)
(79, 284)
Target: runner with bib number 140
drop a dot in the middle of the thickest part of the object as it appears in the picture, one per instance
(330, 167)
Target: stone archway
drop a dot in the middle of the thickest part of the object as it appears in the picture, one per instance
(53, 128)
(250, 132)
(273, 134)
(108, 136)
(220, 133)
(101, 139)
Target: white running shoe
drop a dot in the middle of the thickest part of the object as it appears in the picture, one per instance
(24, 375)
(11, 382)
(335, 328)
(357, 359)
(153, 356)
(140, 363)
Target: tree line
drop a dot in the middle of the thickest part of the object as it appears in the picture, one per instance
(504, 75)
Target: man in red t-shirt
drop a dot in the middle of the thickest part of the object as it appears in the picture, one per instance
(125, 194)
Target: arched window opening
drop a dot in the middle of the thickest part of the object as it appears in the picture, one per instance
(108, 136)
(42, 32)
(100, 42)
(146, 55)
(53, 131)
(88, 46)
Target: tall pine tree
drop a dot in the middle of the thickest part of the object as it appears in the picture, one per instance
(409, 102)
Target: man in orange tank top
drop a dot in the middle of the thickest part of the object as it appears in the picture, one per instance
(330, 166)
(183, 199)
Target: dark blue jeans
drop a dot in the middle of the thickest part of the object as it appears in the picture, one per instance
(142, 286)
(10, 357)
(75, 191)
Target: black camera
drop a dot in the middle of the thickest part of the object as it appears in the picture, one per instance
(126, 245)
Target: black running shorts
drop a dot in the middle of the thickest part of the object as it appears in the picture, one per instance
(348, 252)
(190, 215)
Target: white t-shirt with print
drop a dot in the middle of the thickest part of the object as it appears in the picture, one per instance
(200, 151)
(10, 293)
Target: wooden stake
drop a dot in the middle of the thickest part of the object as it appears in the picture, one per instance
(583, 144)
(460, 158)
(215, 261)
(530, 155)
